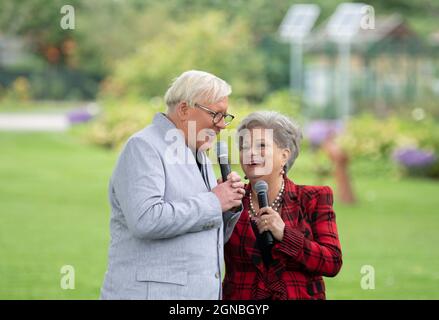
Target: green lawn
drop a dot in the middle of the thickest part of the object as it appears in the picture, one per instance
(54, 212)
(12, 106)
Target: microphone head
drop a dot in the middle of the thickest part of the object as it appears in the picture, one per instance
(222, 149)
(261, 186)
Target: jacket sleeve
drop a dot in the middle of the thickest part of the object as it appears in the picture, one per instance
(230, 219)
(321, 255)
(139, 187)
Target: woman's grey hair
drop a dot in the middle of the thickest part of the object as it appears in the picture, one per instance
(196, 86)
(286, 133)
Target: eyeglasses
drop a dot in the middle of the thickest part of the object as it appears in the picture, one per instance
(217, 116)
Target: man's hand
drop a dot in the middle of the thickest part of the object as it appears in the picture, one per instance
(231, 192)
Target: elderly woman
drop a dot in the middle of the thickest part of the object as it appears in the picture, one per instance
(300, 218)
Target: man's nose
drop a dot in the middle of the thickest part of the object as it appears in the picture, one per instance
(221, 125)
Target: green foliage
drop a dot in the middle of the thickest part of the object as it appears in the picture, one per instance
(209, 42)
(236, 39)
(284, 102)
(366, 136)
(38, 21)
(39, 18)
(18, 91)
(112, 30)
(120, 120)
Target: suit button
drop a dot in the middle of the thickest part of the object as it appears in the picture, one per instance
(217, 275)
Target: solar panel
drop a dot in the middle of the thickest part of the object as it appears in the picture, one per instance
(298, 21)
(345, 22)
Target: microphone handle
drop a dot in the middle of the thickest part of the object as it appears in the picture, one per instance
(262, 199)
(267, 236)
(225, 170)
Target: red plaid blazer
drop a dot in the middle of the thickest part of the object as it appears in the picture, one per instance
(309, 250)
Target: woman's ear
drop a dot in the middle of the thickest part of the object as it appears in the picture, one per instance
(285, 155)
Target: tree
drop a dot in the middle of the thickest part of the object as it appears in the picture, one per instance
(207, 42)
(38, 21)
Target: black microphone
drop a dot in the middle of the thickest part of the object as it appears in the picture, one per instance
(261, 188)
(222, 152)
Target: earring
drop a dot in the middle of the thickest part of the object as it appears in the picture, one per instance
(283, 171)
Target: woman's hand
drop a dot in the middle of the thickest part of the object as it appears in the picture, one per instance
(269, 220)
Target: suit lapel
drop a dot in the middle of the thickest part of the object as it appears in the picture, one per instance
(292, 212)
(206, 165)
(199, 174)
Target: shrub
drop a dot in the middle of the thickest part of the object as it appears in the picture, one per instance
(375, 139)
(415, 161)
(120, 120)
(19, 90)
(209, 42)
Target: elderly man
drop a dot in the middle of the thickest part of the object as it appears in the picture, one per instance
(169, 218)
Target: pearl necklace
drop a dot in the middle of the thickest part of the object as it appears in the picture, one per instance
(275, 205)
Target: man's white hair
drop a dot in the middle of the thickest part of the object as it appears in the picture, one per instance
(196, 86)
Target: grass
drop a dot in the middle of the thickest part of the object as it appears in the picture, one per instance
(54, 212)
(394, 229)
(45, 106)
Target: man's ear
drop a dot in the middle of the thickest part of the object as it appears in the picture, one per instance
(182, 110)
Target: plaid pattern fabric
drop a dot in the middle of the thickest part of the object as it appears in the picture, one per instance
(309, 250)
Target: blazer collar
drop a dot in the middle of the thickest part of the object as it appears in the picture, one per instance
(165, 125)
(163, 122)
(171, 135)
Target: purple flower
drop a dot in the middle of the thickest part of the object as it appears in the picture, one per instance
(414, 158)
(318, 131)
(79, 116)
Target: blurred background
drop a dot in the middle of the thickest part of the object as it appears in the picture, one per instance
(362, 79)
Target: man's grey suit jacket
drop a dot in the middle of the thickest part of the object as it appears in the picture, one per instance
(167, 228)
